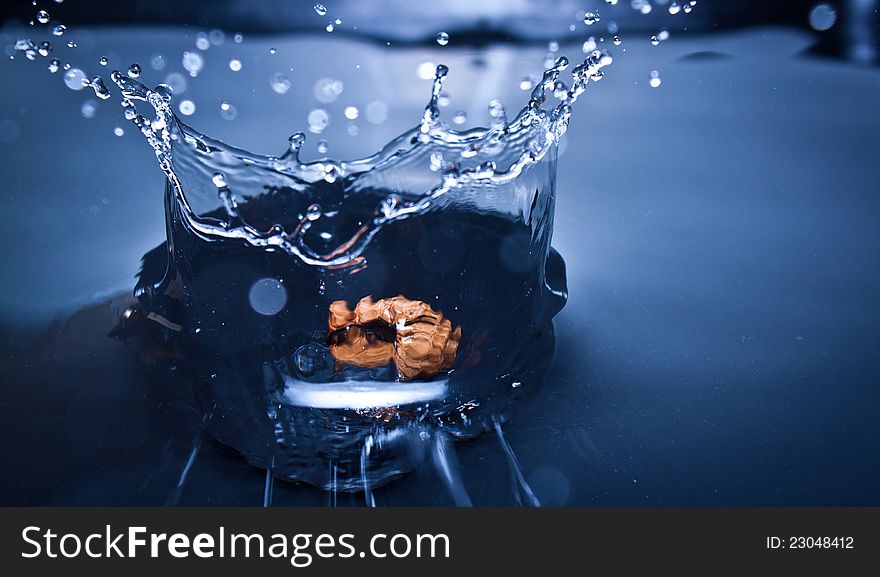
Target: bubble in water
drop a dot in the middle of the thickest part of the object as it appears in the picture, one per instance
(118, 131)
(442, 38)
(674, 8)
(616, 40)
(351, 112)
(89, 108)
(177, 82)
(323, 147)
(193, 62)
(103, 61)
(235, 64)
(54, 65)
(202, 42)
(157, 62)
(228, 111)
(654, 81)
(318, 120)
(376, 112)
(134, 70)
(73, 78)
(822, 17)
(267, 296)
(59, 30)
(313, 213)
(591, 18)
(320, 9)
(279, 83)
(42, 17)
(327, 89)
(187, 107)
(459, 117)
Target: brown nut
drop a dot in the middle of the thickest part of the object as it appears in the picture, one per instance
(424, 342)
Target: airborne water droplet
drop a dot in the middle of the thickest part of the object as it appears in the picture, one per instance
(591, 18)
(42, 17)
(134, 70)
(279, 83)
(442, 38)
(459, 117)
(314, 212)
(616, 40)
(103, 61)
(323, 147)
(320, 9)
(351, 112)
(187, 107)
(655, 81)
(228, 111)
(235, 64)
(318, 120)
(59, 30)
(54, 65)
(73, 78)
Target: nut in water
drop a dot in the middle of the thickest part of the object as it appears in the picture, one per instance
(419, 340)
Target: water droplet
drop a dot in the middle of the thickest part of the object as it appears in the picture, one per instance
(103, 61)
(497, 112)
(327, 90)
(273, 50)
(338, 21)
(44, 48)
(318, 120)
(238, 38)
(320, 9)
(377, 112)
(654, 81)
(527, 83)
(228, 111)
(323, 147)
(588, 47)
(54, 65)
(612, 2)
(42, 17)
(202, 41)
(663, 35)
(193, 62)
(134, 71)
(674, 8)
(267, 296)
(157, 62)
(217, 37)
(655, 41)
(426, 70)
(459, 117)
(313, 213)
(219, 180)
(329, 27)
(279, 83)
(352, 129)
(177, 82)
(235, 64)
(187, 107)
(436, 161)
(822, 17)
(351, 112)
(89, 108)
(118, 131)
(73, 78)
(553, 46)
(442, 38)
(59, 30)
(591, 18)
(71, 44)
(616, 40)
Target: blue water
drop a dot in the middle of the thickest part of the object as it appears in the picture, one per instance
(720, 234)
